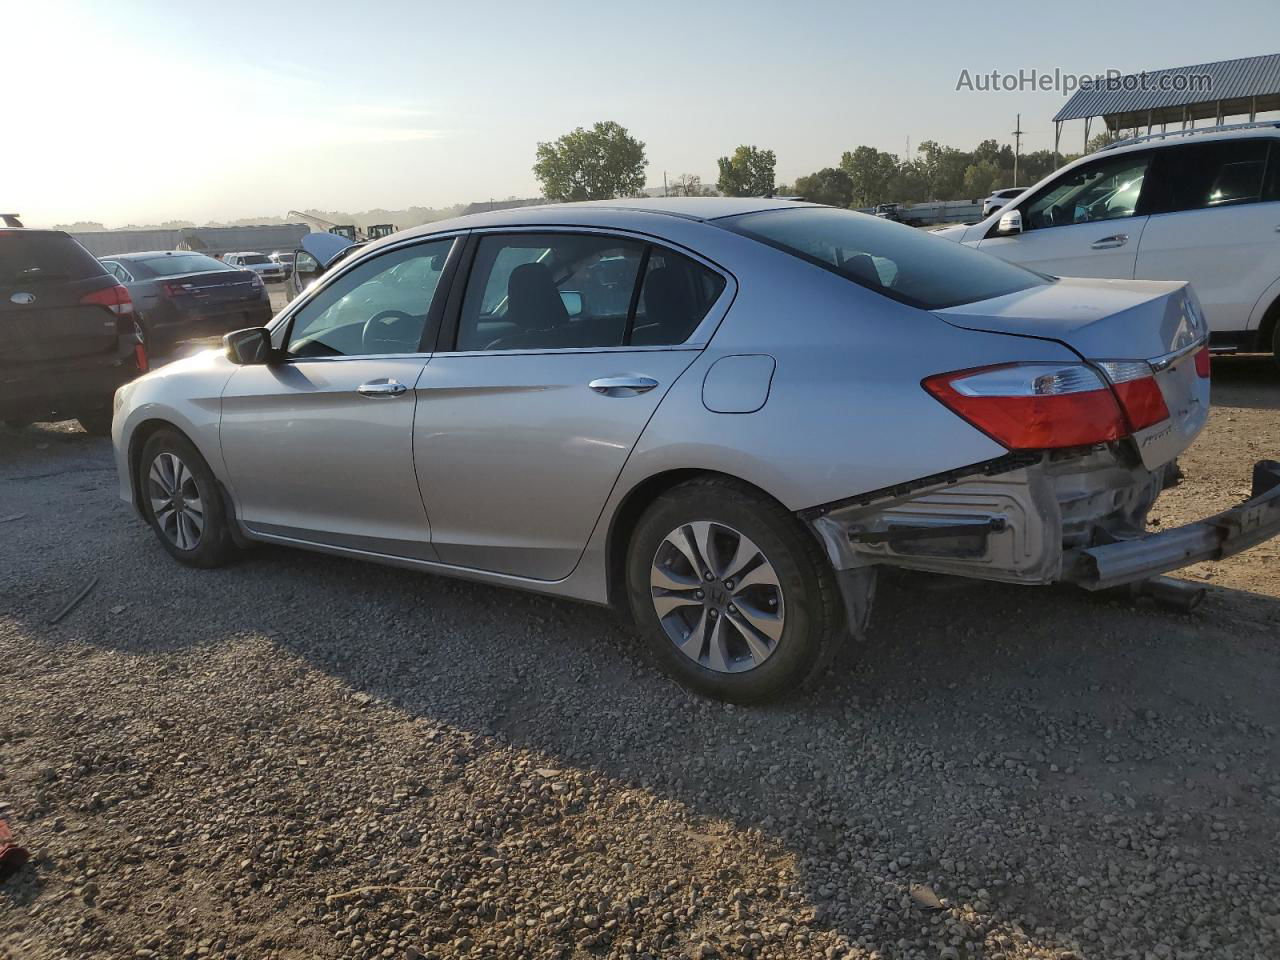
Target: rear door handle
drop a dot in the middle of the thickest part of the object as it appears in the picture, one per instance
(622, 386)
(381, 389)
(1108, 243)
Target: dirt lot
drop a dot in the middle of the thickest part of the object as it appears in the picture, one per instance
(300, 756)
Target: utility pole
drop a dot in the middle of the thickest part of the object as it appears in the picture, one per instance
(1017, 147)
(664, 183)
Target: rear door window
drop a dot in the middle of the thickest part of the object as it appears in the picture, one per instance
(1206, 175)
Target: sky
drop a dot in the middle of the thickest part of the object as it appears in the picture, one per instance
(138, 111)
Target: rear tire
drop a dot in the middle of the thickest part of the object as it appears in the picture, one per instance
(735, 597)
(182, 501)
(1275, 341)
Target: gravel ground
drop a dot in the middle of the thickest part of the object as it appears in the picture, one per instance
(301, 757)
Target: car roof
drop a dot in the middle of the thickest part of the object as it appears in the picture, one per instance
(150, 254)
(1178, 138)
(588, 212)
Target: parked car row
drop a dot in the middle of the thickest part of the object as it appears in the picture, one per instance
(721, 416)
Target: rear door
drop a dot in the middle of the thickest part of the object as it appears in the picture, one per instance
(1086, 223)
(1216, 224)
(44, 277)
(319, 446)
(565, 344)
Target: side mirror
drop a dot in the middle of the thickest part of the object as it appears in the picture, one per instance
(1011, 222)
(305, 265)
(572, 301)
(249, 347)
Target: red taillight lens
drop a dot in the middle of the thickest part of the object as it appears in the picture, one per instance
(1137, 390)
(176, 289)
(116, 299)
(1033, 406)
(1202, 363)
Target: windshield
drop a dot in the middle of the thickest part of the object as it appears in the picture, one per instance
(176, 264)
(900, 262)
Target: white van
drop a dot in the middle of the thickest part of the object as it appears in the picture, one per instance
(1199, 205)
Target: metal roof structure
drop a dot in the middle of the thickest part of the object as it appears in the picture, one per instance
(1247, 86)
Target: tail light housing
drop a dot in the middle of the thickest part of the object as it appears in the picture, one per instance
(116, 299)
(1135, 385)
(177, 289)
(1033, 406)
(1202, 363)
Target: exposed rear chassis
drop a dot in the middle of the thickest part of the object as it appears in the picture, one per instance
(1036, 519)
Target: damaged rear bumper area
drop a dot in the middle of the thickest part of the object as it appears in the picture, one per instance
(1077, 517)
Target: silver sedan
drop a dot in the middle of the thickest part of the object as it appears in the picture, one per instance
(721, 416)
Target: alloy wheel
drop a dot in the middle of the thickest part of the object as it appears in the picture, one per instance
(176, 502)
(717, 597)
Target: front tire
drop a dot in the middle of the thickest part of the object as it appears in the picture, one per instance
(182, 501)
(736, 598)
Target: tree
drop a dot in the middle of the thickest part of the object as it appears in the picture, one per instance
(689, 185)
(748, 173)
(597, 164)
(870, 174)
(980, 179)
(830, 185)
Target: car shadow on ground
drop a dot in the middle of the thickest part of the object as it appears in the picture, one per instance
(968, 703)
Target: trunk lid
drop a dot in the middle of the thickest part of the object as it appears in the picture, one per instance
(220, 286)
(1159, 322)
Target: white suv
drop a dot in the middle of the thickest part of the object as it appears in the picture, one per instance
(1000, 198)
(1202, 206)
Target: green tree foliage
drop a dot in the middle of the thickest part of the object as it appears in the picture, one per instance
(830, 185)
(748, 173)
(597, 164)
(870, 172)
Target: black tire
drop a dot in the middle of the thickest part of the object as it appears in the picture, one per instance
(96, 423)
(812, 617)
(1275, 341)
(214, 546)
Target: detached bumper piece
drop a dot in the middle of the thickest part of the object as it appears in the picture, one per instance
(1228, 533)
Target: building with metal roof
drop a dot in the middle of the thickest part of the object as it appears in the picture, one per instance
(1179, 95)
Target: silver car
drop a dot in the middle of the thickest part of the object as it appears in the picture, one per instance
(722, 416)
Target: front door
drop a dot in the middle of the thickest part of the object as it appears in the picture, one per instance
(319, 446)
(566, 343)
(1086, 223)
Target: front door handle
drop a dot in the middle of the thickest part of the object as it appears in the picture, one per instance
(622, 386)
(1109, 243)
(381, 389)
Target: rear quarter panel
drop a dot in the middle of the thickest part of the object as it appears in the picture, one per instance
(845, 412)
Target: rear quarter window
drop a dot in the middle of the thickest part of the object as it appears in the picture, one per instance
(900, 262)
(43, 258)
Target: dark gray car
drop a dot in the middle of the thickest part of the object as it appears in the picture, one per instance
(183, 298)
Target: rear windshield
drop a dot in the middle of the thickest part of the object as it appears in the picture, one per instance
(901, 262)
(176, 264)
(255, 258)
(44, 258)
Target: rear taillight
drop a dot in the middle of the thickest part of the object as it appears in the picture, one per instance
(116, 299)
(177, 289)
(1202, 363)
(1136, 388)
(1033, 406)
